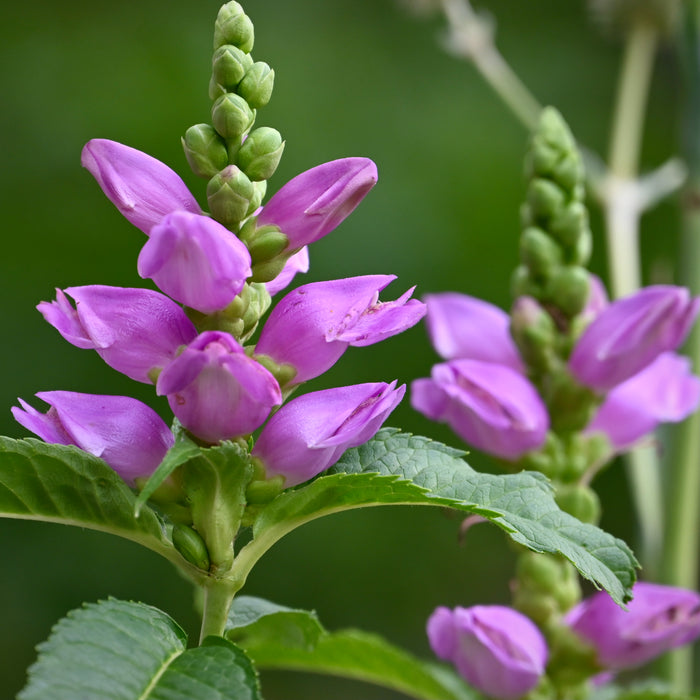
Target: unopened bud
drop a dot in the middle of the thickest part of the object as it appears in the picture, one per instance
(256, 86)
(539, 252)
(191, 545)
(259, 303)
(260, 153)
(522, 284)
(259, 189)
(579, 501)
(569, 224)
(266, 245)
(229, 64)
(545, 199)
(233, 26)
(262, 491)
(267, 270)
(205, 150)
(229, 194)
(568, 289)
(534, 332)
(231, 115)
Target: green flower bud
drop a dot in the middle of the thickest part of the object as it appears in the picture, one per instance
(260, 153)
(545, 199)
(534, 332)
(256, 86)
(229, 194)
(259, 303)
(571, 407)
(523, 285)
(569, 224)
(233, 26)
(262, 491)
(215, 90)
(205, 150)
(579, 501)
(282, 373)
(568, 289)
(191, 545)
(268, 244)
(539, 252)
(229, 64)
(260, 187)
(231, 116)
(267, 270)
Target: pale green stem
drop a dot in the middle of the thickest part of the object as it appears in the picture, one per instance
(218, 596)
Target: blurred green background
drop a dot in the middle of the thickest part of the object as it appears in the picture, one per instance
(353, 77)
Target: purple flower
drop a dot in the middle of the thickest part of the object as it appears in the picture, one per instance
(631, 333)
(490, 406)
(135, 331)
(496, 649)
(461, 326)
(216, 391)
(141, 187)
(196, 261)
(664, 392)
(310, 433)
(313, 203)
(126, 433)
(659, 618)
(299, 262)
(312, 326)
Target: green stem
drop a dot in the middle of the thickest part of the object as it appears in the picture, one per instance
(218, 596)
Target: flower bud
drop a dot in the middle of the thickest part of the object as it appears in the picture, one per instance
(191, 545)
(494, 648)
(231, 115)
(205, 150)
(135, 331)
(256, 86)
(260, 153)
(657, 619)
(490, 406)
(570, 224)
(310, 433)
(534, 332)
(267, 244)
(233, 26)
(568, 289)
(545, 199)
(126, 433)
(539, 252)
(196, 261)
(299, 262)
(229, 65)
(580, 501)
(229, 194)
(216, 391)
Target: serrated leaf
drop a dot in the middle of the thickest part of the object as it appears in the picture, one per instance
(63, 484)
(116, 650)
(399, 468)
(267, 633)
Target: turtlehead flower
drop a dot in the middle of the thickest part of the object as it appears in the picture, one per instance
(461, 326)
(196, 261)
(126, 433)
(315, 202)
(299, 262)
(135, 331)
(496, 649)
(490, 406)
(630, 334)
(312, 326)
(141, 187)
(658, 618)
(216, 391)
(310, 433)
(664, 392)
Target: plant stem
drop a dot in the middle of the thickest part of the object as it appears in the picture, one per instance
(218, 596)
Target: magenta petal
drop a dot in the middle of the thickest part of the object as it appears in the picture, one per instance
(126, 433)
(310, 433)
(196, 261)
(313, 203)
(141, 187)
(299, 262)
(64, 318)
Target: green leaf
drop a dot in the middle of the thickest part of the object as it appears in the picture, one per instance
(115, 650)
(645, 690)
(398, 468)
(62, 484)
(282, 638)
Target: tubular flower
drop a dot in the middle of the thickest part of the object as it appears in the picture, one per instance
(658, 618)
(664, 392)
(315, 202)
(310, 433)
(126, 433)
(312, 326)
(490, 406)
(141, 187)
(196, 261)
(135, 331)
(631, 333)
(496, 649)
(216, 391)
(461, 326)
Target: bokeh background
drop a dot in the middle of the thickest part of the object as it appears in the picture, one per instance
(353, 77)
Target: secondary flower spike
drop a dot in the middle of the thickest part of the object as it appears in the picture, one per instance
(140, 186)
(631, 333)
(490, 406)
(196, 261)
(496, 649)
(312, 326)
(658, 618)
(315, 202)
(310, 433)
(126, 433)
(135, 331)
(216, 391)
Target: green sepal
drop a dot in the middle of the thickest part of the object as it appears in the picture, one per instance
(231, 115)
(228, 195)
(205, 150)
(260, 301)
(257, 84)
(233, 26)
(229, 65)
(191, 545)
(260, 154)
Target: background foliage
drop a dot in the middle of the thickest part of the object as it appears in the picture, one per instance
(353, 77)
